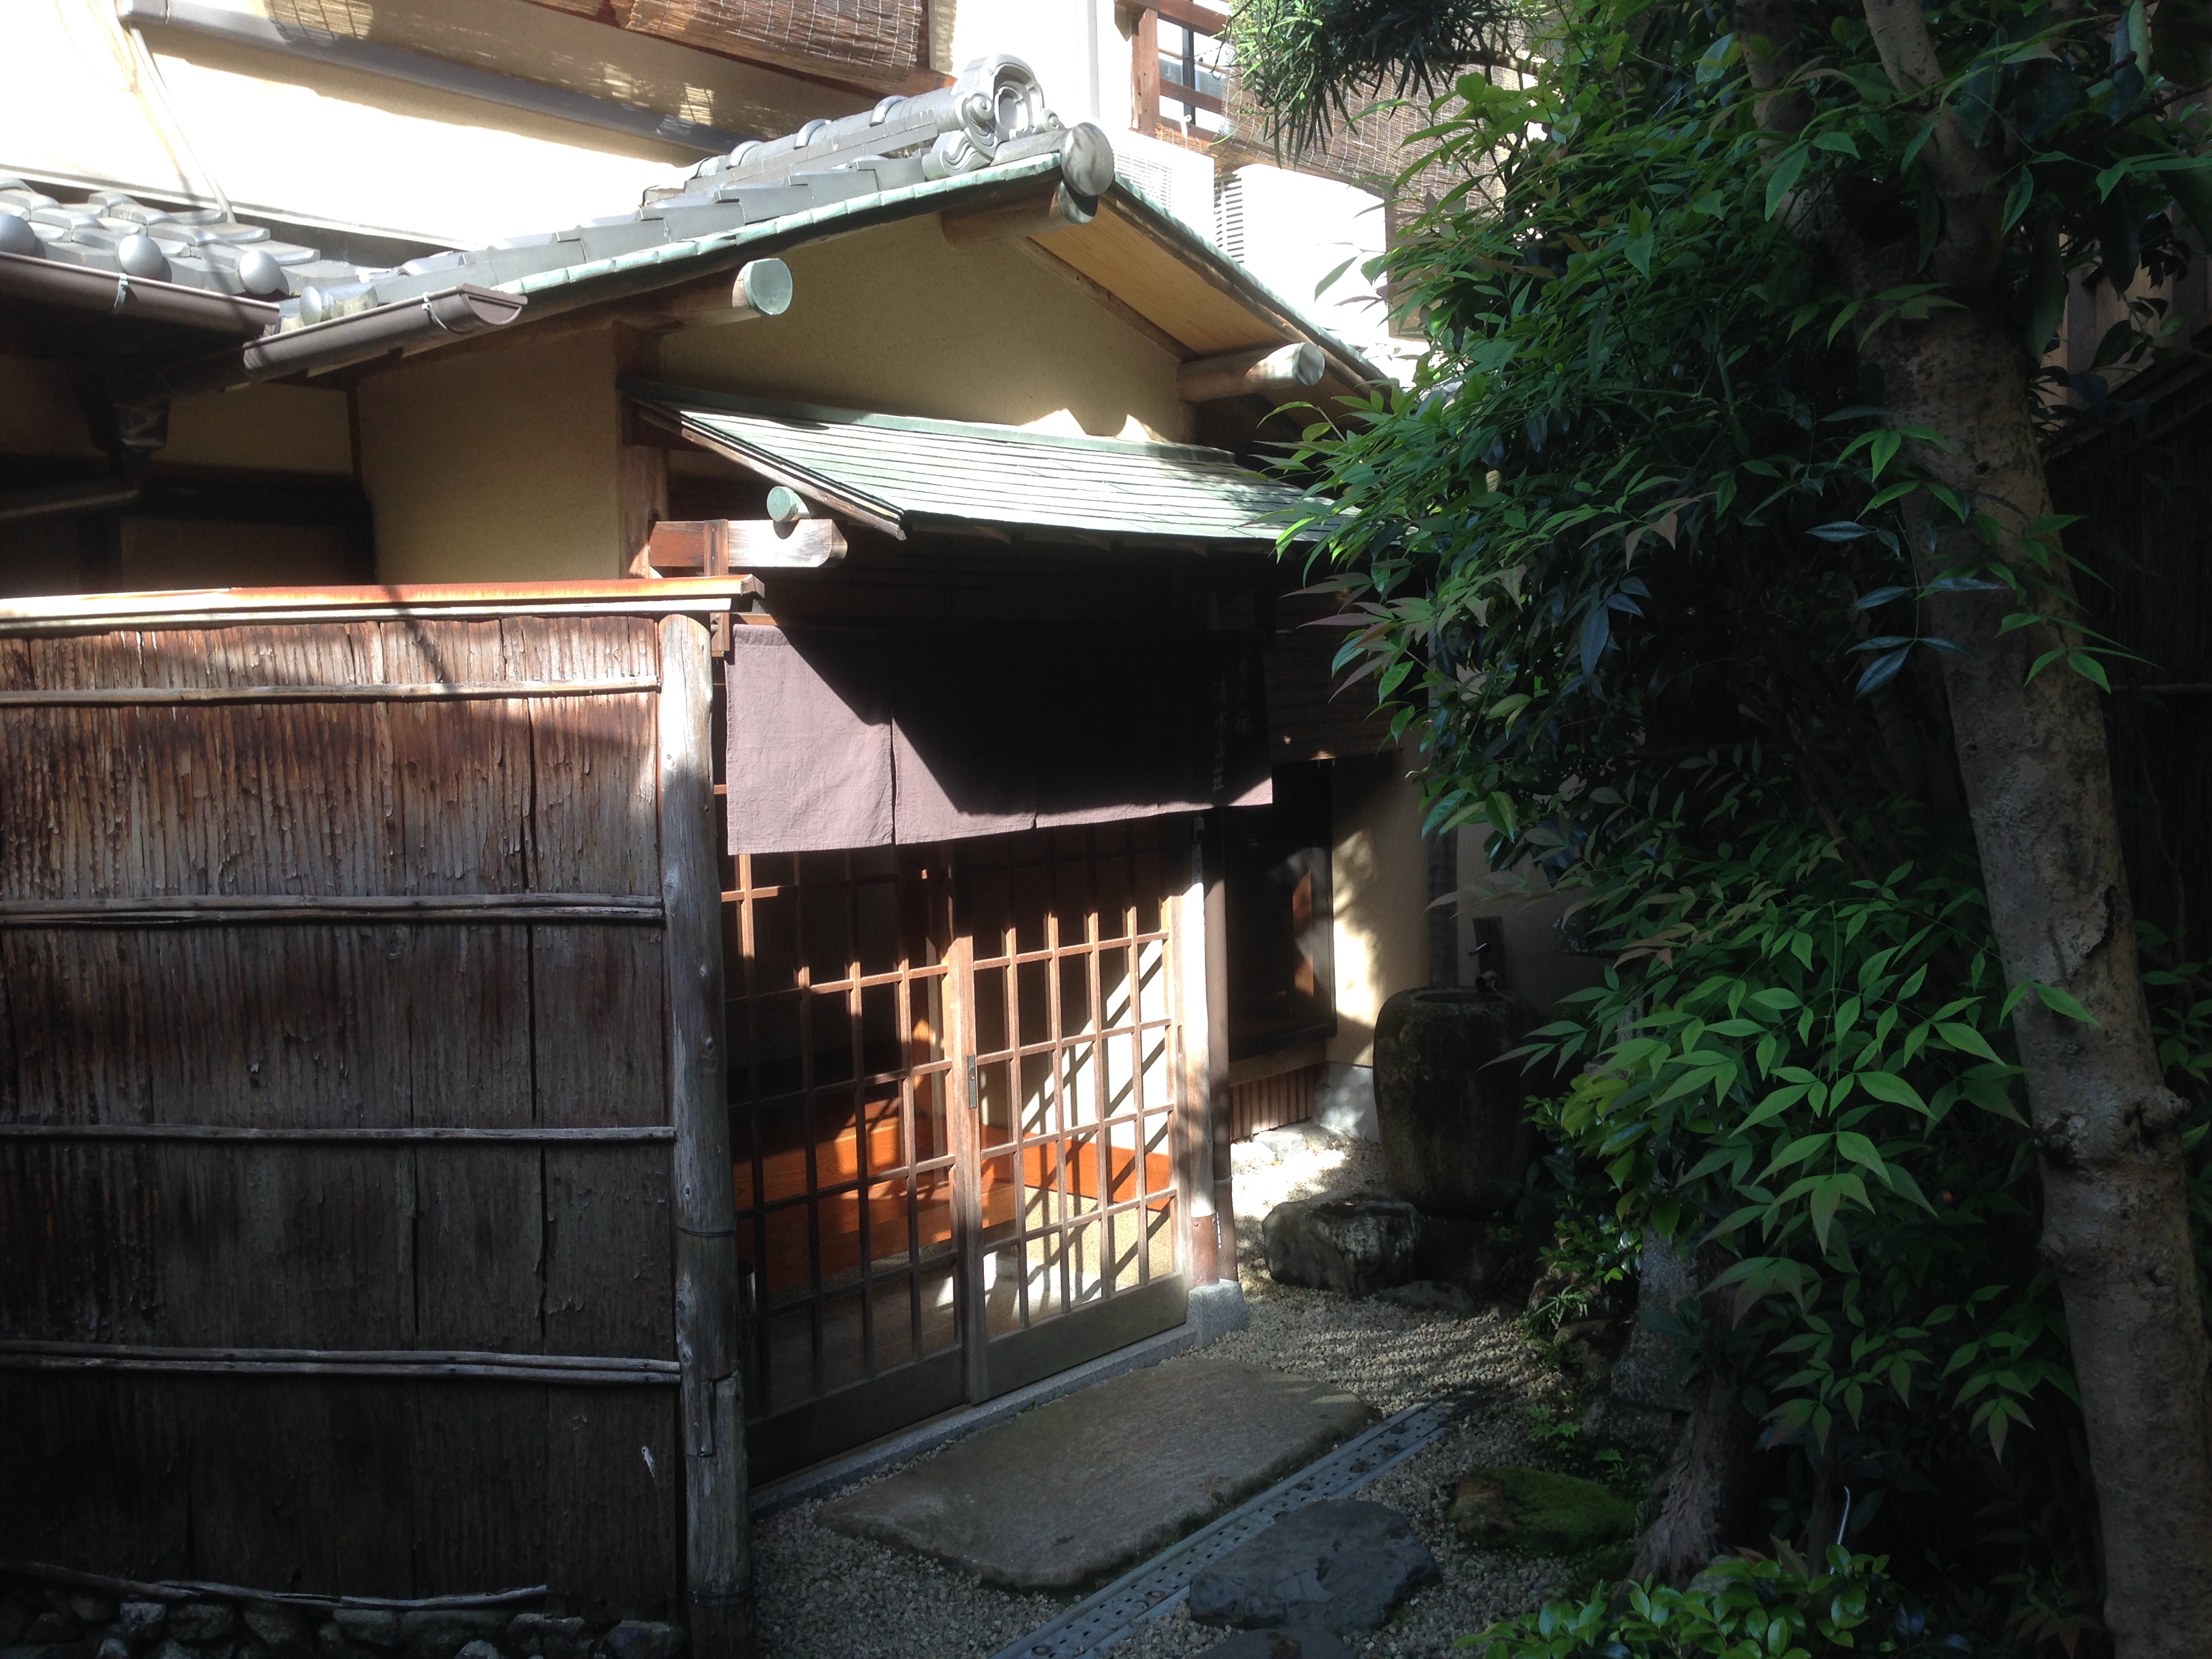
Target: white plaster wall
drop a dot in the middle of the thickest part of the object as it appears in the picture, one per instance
(291, 139)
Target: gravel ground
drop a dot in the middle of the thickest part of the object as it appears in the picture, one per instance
(826, 1596)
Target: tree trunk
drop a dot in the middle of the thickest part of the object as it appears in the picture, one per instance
(2038, 785)
(1705, 1489)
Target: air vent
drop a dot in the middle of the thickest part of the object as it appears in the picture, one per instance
(1228, 218)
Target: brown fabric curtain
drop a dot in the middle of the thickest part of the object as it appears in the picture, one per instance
(858, 739)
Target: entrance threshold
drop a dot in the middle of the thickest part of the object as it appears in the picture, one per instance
(907, 1444)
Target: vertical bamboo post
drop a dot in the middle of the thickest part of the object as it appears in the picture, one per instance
(718, 1565)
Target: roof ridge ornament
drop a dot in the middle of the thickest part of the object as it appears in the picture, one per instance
(996, 102)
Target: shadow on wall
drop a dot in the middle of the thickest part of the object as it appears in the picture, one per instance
(1524, 947)
(1380, 875)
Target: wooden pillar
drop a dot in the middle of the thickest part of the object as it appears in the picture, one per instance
(1205, 1072)
(1145, 73)
(718, 1558)
(640, 469)
(1220, 1106)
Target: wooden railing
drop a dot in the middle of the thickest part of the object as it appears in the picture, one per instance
(1151, 88)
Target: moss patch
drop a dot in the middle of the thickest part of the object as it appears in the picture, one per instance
(1533, 1512)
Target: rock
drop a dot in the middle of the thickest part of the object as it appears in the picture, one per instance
(1535, 1512)
(478, 1649)
(1302, 1642)
(373, 1627)
(91, 1611)
(115, 1647)
(634, 1638)
(1455, 1136)
(1344, 1102)
(16, 1616)
(1342, 1564)
(283, 1630)
(1353, 1243)
(203, 1622)
(1216, 1309)
(173, 1649)
(49, 1628)
(142, 1621)
(443, 1633)
(1295, 1139)
(541, 1633)
(1062, 1497)
(330, 1643)
(1427, 1296)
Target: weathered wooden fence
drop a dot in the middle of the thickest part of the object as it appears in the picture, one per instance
(365, 1196)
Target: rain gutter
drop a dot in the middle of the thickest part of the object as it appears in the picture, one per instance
(26, 276)
(465, 309)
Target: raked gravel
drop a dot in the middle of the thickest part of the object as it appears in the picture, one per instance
(826, 1596)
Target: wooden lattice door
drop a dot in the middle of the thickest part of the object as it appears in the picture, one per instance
(957, 1092)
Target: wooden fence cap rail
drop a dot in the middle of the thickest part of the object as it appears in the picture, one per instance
(232, 909)
(224, 606)
(192, 1589)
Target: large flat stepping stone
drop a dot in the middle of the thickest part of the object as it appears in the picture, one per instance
(1341, 1564)
(1064, 1496)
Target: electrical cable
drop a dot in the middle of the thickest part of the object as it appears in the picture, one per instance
(154, 91)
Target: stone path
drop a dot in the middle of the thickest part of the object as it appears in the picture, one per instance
(828, 1595)
(1158, 1589)
(1064, 1497)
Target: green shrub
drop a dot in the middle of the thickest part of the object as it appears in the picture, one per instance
(1738, 1609)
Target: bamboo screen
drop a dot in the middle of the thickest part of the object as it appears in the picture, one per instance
(879, 33)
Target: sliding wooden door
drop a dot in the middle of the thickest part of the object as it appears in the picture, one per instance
(956, 1096)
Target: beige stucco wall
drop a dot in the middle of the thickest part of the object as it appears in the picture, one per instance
(495, 466)
(283, 428)
(897, 320)
(1381, 878)
(39, 410)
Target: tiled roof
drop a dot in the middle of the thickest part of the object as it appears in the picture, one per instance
(989, 128)
(912, 474)
(993, 115)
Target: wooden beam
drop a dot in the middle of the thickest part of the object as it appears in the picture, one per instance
(715, 547)
(1204, 19)
(718, 1564)
(762, 288)
(1054, 207)
(1277, 374)
(1144, 72)
(1174, 92)
(1099, 295)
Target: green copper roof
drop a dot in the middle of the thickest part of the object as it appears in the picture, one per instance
(908, 474)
